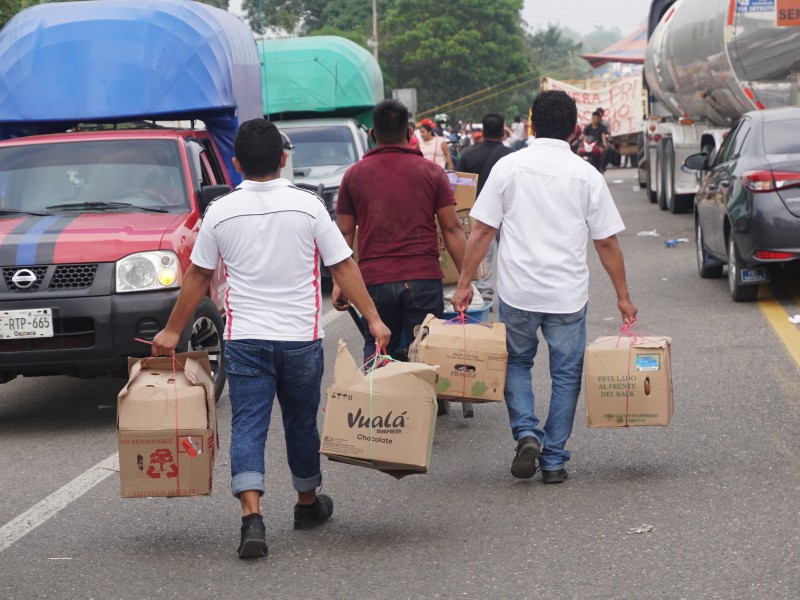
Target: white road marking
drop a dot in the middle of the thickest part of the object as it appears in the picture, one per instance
(38, 514)
(47, 508)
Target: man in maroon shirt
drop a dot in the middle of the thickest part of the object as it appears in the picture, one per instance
(395, 196)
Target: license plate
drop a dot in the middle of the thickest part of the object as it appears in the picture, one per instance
(753, 275)
(18, 324)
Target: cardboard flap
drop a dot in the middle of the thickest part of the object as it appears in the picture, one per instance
(624, 341)
(400, 379)
(421, 332)
(395, 378)
(345, 370)
(489, 337)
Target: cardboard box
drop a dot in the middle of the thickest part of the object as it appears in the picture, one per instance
(446, 261)
(465, 189)
(475, 375)
(166, 427)
(383, 421)
(628, 381)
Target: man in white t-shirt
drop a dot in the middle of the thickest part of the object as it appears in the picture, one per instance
(270, 237)
(549, 202)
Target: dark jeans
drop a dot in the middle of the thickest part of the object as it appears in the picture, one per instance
(402, 306)
(257, 370)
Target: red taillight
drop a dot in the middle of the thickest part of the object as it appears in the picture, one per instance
(786, 179)
(769, 181)
(770, 255)
(657, 137)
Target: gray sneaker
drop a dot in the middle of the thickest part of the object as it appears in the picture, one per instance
(524, 464)
(312, 515)
(253, 543)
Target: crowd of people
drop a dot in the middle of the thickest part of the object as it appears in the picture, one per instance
(443, 142)
(543, 202)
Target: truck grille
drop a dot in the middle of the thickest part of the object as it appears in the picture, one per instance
(61, 277)
(68, 334)
(8, 274)
(73, 277)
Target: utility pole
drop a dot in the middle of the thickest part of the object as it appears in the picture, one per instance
(375, 28)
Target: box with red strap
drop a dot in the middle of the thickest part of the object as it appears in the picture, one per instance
(471, 356)
(166, 427)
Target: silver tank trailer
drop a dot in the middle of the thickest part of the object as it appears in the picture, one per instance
(700, 64)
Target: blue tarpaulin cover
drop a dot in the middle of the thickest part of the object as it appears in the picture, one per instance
(112, 61)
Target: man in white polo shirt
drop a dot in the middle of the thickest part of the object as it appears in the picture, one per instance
(549, 202)
(270, 237)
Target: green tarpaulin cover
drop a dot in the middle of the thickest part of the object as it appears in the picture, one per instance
(318, 75)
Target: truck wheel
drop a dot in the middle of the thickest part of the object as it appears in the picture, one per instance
(739, 292)
(704, 269)
(664, 172)
(208, 333)
(650, 181)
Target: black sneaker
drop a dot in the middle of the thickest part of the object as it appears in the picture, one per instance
(554, 476)
(524, 465)
(254, 542)
(307, 516)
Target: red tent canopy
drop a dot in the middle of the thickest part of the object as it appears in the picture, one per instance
(628, 50)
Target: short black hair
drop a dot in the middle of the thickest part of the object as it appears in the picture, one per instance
(598, 113)
(554, 115)
(493, 126)
(258, 148)
(390, 122)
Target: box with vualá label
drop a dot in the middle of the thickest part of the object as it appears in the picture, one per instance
(383, 419)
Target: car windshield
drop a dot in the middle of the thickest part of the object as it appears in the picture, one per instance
(92, 176)
(322, 146)
(782, 137)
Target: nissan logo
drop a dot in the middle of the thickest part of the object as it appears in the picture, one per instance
(24, 278)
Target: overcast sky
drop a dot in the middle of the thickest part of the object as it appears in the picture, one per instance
(584, 15)
(581, 15)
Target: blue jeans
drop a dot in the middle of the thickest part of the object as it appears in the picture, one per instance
(402, 305)
(565, 335)
(257, 370)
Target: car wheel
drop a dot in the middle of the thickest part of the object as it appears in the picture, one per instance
(442, 407)
(739, 292)
(208, 333)
(704, 269)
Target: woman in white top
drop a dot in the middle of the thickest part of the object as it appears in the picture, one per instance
(434, 148)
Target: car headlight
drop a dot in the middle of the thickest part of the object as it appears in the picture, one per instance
(148, 271)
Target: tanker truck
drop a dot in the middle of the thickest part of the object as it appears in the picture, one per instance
(707, 63)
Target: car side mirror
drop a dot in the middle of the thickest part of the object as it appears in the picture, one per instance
(697, 162)
(209, 193)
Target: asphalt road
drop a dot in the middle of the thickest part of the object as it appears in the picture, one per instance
(720, 485)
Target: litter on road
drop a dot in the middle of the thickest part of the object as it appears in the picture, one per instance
(651, 233)
(794, 320)
(673, 243)
(642, 529)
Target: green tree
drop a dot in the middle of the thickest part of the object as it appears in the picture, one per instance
(600, 39)
(556, 55)
(460, 48)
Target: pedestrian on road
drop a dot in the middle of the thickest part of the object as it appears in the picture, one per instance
(480, 159)
(549, 203)
(270, 236)
(434, 148)
(395, 197)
